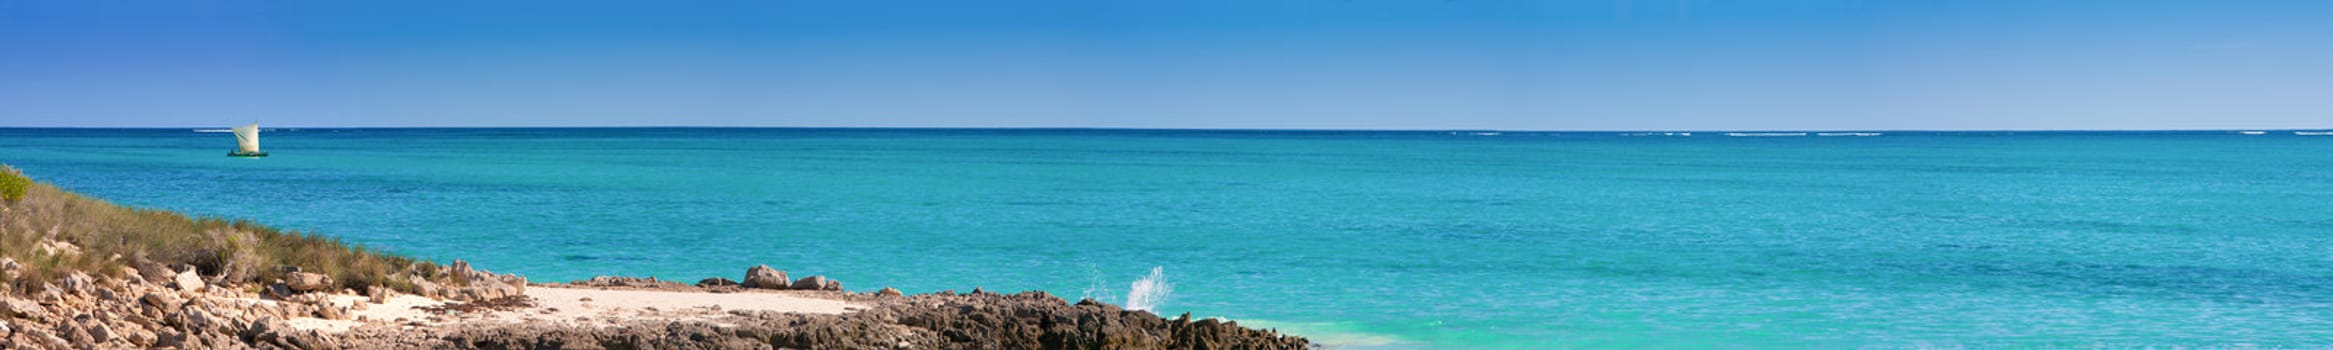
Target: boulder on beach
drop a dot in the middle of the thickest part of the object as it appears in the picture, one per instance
(425, 288)
(764, 277)
(187, 280)
(378, 294)
(307, 281)
(888, 292)
(817, 283)
(479, 285)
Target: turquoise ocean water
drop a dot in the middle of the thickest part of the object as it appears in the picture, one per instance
(1362, 239)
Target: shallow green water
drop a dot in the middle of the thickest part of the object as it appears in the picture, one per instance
(1368, 239)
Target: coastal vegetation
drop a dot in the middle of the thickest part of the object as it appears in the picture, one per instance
(49, 233)
(84, 273)
(12, 184)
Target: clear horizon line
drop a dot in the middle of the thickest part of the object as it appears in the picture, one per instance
(1149, 128)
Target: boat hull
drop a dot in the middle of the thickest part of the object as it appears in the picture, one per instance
(246, 154)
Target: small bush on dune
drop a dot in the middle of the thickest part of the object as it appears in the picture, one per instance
(13, 184)
(112, 240)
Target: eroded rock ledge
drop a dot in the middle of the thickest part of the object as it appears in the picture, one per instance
(1031, 320)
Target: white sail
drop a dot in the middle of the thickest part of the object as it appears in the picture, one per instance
(247, 138)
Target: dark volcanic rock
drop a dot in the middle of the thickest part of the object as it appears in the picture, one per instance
(716, 282)
(621, 281)
(1032, 320)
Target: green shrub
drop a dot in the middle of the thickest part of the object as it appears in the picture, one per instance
(13, 184)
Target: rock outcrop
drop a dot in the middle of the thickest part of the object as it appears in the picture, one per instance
(1032, 320)
(478, 284)
(621, 281)
(815, 283)
(140, 314)
(130, 312)
(307, 282)
(187, 280)
(716, 282)
(764, 277)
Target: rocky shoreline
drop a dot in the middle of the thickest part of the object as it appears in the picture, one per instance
(181, 309)
(81, 273)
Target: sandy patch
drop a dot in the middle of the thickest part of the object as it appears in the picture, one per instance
(400, 307)
(584, 306)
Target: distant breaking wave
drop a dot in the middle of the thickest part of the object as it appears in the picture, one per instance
(1848, 134)
(1765, 134)
(2313, 133)
(213, 130)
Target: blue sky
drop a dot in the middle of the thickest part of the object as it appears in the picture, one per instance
(1342, 64)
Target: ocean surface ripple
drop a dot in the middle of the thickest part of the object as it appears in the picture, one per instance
(1364, 239)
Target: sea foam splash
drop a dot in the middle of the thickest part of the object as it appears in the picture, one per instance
(1100, 288)
(1149, 292)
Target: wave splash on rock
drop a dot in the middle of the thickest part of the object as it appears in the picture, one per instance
(1148, 293)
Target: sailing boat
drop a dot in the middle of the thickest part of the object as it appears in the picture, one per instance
(247, 142)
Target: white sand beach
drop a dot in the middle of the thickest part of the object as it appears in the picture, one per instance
(580, 306)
